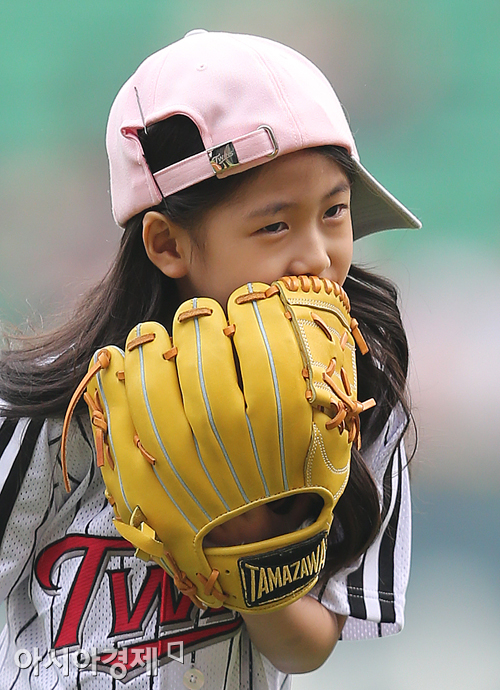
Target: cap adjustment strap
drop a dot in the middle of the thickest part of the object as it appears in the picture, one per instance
(258, 144)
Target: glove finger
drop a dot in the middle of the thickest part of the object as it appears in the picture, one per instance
(124, 470)
(153, 513)
(213, 399)
(158, 412)
(131, 485)
(271, 366)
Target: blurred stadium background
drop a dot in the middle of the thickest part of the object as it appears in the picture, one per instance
(420, 82)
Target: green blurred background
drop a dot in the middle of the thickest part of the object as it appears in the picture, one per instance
(420, 83)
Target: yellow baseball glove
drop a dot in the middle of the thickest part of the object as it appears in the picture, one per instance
(225, 448)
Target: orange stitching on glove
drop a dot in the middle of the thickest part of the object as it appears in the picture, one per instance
(108, 456)
(358, 337)
(328, 286)
(193, 313)
(99, 423)
(140, 340)
(353, 429)
(145, 453)
(342, 295)
(229, 330)
(349, 410)
(173, 352)
(209, 585)
(291, 282)
(339, 416)
(316, 283)
(351, 404)
(251, 297)
(305, 282)
(103, 360)
(272, 290)
(183, 583)
(170, 354)
(331, 366)
(345, 381)
(319, 322)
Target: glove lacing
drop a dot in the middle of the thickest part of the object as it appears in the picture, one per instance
(347, 410)
(184, 584)
(102, 362)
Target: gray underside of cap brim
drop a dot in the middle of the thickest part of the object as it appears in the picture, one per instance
(373, 208)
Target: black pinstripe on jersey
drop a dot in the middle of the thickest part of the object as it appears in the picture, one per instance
(355, 595)
(19, 466)
(6, 432)
(386, 553)
(355, 588)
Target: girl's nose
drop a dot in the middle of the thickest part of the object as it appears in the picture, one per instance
(310, 256)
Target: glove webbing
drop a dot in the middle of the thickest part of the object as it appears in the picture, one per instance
(347, 410)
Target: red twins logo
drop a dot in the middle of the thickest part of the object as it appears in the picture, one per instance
(157, 595)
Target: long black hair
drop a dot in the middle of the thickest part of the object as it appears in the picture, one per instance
(39, 374)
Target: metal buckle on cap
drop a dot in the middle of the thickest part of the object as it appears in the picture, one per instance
(223, 157)
(273, 140)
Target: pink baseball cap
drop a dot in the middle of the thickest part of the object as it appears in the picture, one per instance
(252, 99)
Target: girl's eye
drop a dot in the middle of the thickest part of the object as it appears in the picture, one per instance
(335, 211)
(274, 228)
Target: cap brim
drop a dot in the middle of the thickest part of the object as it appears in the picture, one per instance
(373, 208)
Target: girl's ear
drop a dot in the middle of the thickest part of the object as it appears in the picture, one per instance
(167, 244)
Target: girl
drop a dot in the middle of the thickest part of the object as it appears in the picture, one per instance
(231, 161)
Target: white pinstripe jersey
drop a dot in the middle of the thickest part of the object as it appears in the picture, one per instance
(71, 584)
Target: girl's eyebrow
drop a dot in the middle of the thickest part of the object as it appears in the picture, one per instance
(275, 207)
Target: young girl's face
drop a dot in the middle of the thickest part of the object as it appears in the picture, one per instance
(292, 218)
